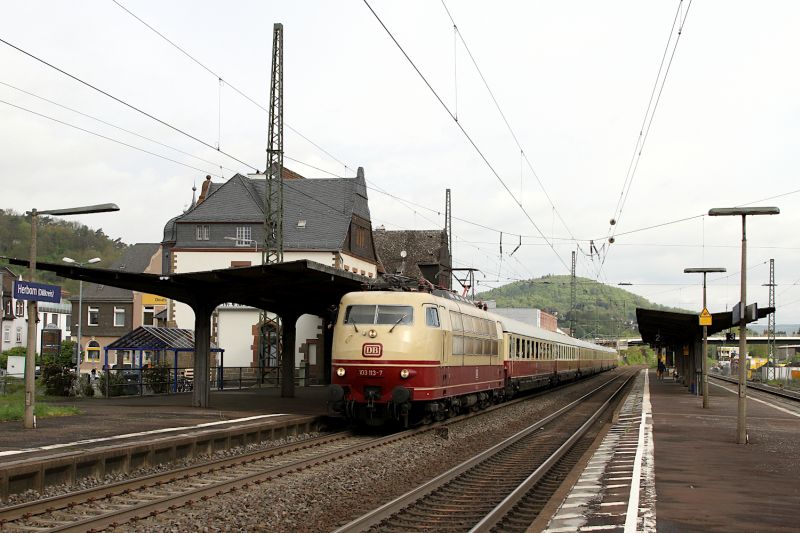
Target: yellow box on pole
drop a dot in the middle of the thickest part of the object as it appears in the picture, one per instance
(705, 318)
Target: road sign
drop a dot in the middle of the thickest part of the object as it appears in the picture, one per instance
(39, 292)
(705, 318)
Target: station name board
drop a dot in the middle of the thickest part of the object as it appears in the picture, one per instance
(27, 290)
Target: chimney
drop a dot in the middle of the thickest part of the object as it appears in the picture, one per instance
(204, 190)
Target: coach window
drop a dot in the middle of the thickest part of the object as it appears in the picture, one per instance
(432, 317)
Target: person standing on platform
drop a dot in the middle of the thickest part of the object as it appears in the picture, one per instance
(660, 370)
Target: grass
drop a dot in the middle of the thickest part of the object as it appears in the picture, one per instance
(12, 407)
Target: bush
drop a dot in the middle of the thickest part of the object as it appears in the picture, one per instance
(111, 383)
(641, 355)
(85, 385)
(157, 378)
(58, 380)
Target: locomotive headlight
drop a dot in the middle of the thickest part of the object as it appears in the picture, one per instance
(340, 371)
(405, 373)
(372, 334)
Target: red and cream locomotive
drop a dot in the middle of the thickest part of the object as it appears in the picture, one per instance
(412, 356)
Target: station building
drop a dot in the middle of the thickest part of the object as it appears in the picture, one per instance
(324, 220)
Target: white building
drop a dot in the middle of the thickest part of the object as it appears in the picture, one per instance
(325, 220)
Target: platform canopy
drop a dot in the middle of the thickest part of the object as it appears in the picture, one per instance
(296, 287)
(667, 328)
(158, 339)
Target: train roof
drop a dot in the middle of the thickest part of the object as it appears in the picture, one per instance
(508, 324)
(514, 326)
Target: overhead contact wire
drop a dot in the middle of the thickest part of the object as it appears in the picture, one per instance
(468, 137)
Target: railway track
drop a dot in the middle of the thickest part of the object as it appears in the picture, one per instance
(112, 505)
(128, 501)
(782, 393)
(505, 486)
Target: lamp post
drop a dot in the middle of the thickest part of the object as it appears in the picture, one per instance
(704, 271)
(741, 420)
(80, 302)
(29, 419)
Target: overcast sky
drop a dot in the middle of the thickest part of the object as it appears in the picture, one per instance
(573, 79)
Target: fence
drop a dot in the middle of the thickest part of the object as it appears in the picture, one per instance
(162, 380)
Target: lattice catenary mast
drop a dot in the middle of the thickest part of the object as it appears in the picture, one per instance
(272, 252)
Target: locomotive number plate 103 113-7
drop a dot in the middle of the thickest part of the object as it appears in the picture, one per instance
(370, 372)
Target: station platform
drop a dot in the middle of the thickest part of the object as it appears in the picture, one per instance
(128, 418)
(668, 465)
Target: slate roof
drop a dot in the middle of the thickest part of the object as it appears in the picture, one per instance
(326, 206)
(135, 260)
(422, 247)
(153, 338)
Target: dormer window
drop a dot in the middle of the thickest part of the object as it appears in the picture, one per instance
(202, 232)
(244, 236)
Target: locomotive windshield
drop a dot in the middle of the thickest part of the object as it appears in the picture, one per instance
(379, 314)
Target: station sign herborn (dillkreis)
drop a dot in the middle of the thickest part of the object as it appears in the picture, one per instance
(27, 290)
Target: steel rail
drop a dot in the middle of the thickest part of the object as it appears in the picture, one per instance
(510, 501)
(783, 393)
(383, 512)
(177, 497)
(64, 501)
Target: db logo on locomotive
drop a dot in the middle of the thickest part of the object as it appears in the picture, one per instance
(372, 350)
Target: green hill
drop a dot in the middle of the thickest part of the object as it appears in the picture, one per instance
(55, 238)
(600, 310)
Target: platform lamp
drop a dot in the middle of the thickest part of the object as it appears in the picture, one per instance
(29, 420)
(80, 300)
(741, 421)
(704, 271)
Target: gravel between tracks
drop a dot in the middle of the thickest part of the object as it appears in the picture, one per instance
(91, 482)
(325, 497)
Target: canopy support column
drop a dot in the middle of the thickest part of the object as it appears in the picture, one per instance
(201, 393)
(288, 336)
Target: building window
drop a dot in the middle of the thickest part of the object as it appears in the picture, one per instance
(119, 316)
(148, 315)
(93, 351)
(7, 307)
(7, 334)
(19, 335)
(202, 232)
(20, 308)
(93, 315)
(244, 236)
(54, 319)
(361, 237)
(68, 323)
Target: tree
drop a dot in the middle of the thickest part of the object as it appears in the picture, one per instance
(67, 355)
